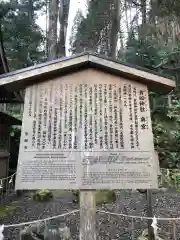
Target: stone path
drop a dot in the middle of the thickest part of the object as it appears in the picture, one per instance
(109, 227)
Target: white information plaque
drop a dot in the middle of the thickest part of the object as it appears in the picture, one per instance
(115, 149)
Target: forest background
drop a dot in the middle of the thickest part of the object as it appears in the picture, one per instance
(144, 33)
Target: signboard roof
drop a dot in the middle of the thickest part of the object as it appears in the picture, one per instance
(17, 80)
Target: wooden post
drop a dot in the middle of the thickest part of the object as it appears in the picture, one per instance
(149, 214)
(87, 215)
(87, 198)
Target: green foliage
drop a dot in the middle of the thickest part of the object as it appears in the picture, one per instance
(102, 196)
(169, 8)
(166, 127)
(23, 39)
(93, 32)
(7, 210)
(105, 196)
(144, 235)
(42, 195)
(170, 178)
(151, 54)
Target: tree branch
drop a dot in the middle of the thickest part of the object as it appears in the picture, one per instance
(136, 4)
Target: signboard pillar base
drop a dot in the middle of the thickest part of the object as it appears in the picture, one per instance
(87, 215)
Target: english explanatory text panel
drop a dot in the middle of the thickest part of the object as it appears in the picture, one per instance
(79, 135)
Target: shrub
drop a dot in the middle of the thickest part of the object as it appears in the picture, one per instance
(6, 210)
(42, 195)
(105, 196)
(144, 235)
(102, 196)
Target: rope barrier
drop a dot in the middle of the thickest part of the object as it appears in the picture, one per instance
(41, 220)
(99, 211)
(2, 179)
(73, 212)
(139, 217)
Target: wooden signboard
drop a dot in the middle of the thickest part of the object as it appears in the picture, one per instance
(111, 113)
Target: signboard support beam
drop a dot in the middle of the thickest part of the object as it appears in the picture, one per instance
(87, 215)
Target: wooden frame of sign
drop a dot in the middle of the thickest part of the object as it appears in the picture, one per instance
(86, 125)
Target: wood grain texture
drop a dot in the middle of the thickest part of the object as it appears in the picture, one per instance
(87, 215)
(117, 127)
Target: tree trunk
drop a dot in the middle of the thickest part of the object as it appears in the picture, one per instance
(142, 33)
(87, 4)
(143, 11)
(153, 11)
(63, 20)
(52, 33)
(115, 29)
(121, 33)
(126, 15)
(46, 51)
(30, 11)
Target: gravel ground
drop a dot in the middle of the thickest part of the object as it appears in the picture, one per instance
(108, 226)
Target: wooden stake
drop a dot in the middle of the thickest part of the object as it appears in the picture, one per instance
(87, 215)
(149, 214)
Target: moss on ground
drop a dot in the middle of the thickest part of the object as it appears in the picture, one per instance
(102, 196)
(6, 210)
(144, 235)
(42, 195)
(57, 193)
(105, 196)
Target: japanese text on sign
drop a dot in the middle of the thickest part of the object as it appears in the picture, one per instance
(114, 117)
